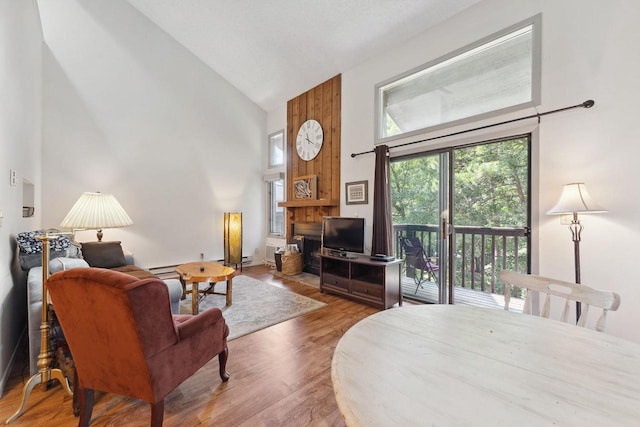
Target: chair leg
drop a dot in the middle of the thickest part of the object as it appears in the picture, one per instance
(222, 360)
(86, 406)
(157, 413)
(434, 278)
(76, 393)
(419, 277)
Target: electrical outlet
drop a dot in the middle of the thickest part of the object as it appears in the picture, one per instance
(255, 251)
(13, 178)
(1, 218)
(566, 219)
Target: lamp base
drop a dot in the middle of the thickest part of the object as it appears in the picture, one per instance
(50, 374)
(576, 229)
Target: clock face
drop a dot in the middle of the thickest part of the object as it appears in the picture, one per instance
(309, 140)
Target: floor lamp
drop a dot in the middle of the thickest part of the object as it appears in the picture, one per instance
(45, 372)
(574, 200)
(233, 239)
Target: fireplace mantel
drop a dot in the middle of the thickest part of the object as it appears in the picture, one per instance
(309, 203)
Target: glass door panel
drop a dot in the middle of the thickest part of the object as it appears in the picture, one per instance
(490, 218)
(418, 198)
(461, 216)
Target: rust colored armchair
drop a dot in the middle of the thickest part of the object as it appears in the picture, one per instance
(124, 339)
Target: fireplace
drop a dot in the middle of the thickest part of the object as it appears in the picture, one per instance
(307, 235)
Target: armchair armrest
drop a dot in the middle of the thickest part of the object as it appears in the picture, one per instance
(128, 256)
(190, 325)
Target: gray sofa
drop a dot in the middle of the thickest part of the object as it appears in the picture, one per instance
(34, 299)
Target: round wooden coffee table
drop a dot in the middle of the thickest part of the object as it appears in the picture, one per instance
(207, 272)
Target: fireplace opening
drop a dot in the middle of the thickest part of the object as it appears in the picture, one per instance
(307, 236)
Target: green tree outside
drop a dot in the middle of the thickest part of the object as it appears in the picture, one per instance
(490, 190)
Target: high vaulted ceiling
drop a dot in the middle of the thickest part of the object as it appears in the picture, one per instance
(273, 50)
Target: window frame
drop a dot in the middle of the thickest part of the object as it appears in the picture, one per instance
(536, 68)
(272, 204)
(271, 138)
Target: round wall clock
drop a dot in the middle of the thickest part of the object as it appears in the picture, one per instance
(309, 140)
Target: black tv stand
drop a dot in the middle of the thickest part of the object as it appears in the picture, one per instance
(359, 278)
(343, 254)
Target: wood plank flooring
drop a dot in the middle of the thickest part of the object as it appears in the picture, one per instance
(428, 292)
(280, 376)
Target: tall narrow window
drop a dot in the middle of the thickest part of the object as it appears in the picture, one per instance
(275, 190)
(498, 74)
(276, 149)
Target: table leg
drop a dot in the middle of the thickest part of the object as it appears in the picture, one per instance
(229, 292)
(194, 298)
(184, 288)
(400, 287)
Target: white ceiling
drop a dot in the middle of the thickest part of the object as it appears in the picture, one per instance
(274, 50)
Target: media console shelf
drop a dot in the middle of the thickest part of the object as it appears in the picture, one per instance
(376, 283)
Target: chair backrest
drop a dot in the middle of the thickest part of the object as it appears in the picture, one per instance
(114, 323)
(413, 251)
(567, 291)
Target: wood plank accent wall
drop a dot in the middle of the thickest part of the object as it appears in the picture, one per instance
(322, 103)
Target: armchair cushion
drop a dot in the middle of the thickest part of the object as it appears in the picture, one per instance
(103, 254)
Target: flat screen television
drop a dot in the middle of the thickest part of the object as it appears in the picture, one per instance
(343, 235)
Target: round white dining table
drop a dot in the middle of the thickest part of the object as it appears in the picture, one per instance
(455, 365)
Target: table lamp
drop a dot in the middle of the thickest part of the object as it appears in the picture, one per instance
(574, 200)
(96, 211)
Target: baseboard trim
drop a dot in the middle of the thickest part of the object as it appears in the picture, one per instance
(7, 373)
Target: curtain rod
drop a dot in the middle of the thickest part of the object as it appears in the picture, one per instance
(586, 104)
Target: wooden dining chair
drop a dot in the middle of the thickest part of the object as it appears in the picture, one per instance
(567, 291)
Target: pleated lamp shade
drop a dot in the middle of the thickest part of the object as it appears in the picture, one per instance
(96, 211)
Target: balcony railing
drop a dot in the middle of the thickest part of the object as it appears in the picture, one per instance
(480, 253)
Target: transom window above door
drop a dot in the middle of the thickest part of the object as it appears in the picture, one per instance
(497, 74)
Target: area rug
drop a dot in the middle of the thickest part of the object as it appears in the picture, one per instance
(304, 278)
(256, 305)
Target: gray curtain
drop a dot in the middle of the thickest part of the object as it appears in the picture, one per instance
(382, 242)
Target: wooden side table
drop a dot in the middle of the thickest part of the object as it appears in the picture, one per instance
(207, 272)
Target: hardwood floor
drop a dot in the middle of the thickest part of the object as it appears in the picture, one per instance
(280, 376)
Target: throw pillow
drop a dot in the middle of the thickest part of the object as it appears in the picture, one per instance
(29, 244)
(30, 248)
(103, 254)
(28, 261)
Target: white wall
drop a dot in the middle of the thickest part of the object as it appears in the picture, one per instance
(129, 111)
(20, 118)
(589, 51)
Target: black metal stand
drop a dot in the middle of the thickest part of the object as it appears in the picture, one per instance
(576, 229)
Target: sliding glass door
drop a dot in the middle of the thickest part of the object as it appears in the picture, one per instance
(467, 210)
(420, 201)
